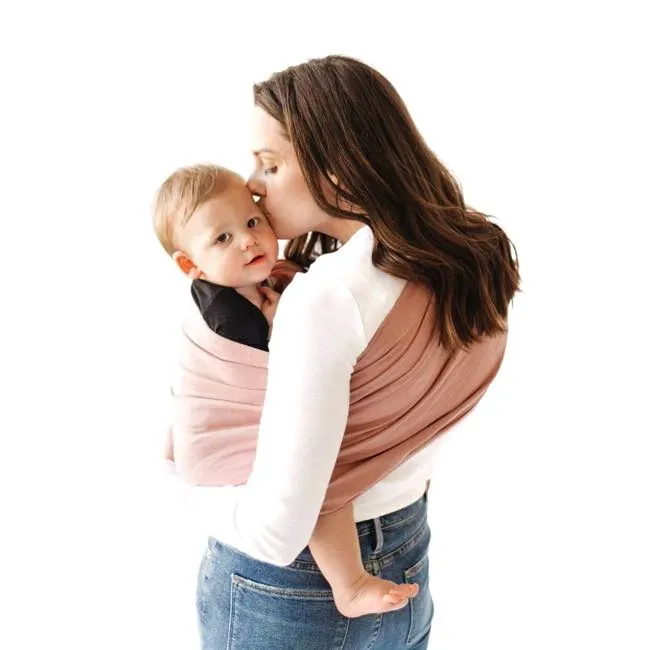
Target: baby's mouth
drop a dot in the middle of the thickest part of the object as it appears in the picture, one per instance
(256, 259)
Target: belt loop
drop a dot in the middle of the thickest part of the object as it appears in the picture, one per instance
(379, 535)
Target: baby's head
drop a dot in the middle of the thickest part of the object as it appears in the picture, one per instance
(207, 221)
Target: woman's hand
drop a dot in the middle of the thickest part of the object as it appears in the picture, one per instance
(270, 300)
(169, 445)
(282, 274)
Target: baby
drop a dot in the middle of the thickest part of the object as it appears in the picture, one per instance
(207, 221)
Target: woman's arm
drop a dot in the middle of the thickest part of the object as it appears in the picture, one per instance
(318, 336)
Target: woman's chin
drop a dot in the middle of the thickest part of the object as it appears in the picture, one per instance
(283, 230)
(288, 233)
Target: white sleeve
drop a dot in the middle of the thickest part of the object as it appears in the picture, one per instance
(317, 337)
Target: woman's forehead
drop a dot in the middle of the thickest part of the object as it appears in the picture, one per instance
(267, 135)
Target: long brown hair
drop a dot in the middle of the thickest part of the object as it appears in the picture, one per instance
(345, 119)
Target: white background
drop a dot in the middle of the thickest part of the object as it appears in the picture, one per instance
(539, 503)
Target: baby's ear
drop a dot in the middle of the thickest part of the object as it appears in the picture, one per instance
(186, 265)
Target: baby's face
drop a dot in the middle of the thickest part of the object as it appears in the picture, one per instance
(230, 240)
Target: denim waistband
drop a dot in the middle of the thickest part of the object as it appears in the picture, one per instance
(382, 538)
(399, 518)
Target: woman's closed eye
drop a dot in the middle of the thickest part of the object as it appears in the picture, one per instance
(270, 170)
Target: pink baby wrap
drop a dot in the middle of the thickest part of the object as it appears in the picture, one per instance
(405, 389)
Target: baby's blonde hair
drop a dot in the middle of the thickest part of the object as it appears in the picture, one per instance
(181, 194)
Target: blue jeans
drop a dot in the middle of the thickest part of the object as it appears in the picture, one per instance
(244, 604)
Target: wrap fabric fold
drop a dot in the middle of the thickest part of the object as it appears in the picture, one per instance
(405, 389)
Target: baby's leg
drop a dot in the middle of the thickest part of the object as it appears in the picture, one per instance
(335, 547)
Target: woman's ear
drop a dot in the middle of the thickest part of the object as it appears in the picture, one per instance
(335, 195)
(333, 178)
(186, 265)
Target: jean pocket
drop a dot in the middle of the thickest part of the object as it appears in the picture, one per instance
(421, 607)
(264, 616)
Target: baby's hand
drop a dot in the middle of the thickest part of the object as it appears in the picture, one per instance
(269, 303)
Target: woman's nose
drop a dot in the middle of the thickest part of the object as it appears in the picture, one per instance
(256, 185)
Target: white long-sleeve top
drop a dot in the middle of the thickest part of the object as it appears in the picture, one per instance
(324, 321)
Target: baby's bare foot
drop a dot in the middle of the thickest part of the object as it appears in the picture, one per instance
(372, 595)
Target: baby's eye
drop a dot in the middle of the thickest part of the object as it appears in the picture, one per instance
(270, 170)
(253, 221)
(224, 238)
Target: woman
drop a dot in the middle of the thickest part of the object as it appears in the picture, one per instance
(342, 171)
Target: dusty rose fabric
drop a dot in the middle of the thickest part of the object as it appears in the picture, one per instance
(405, 390)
